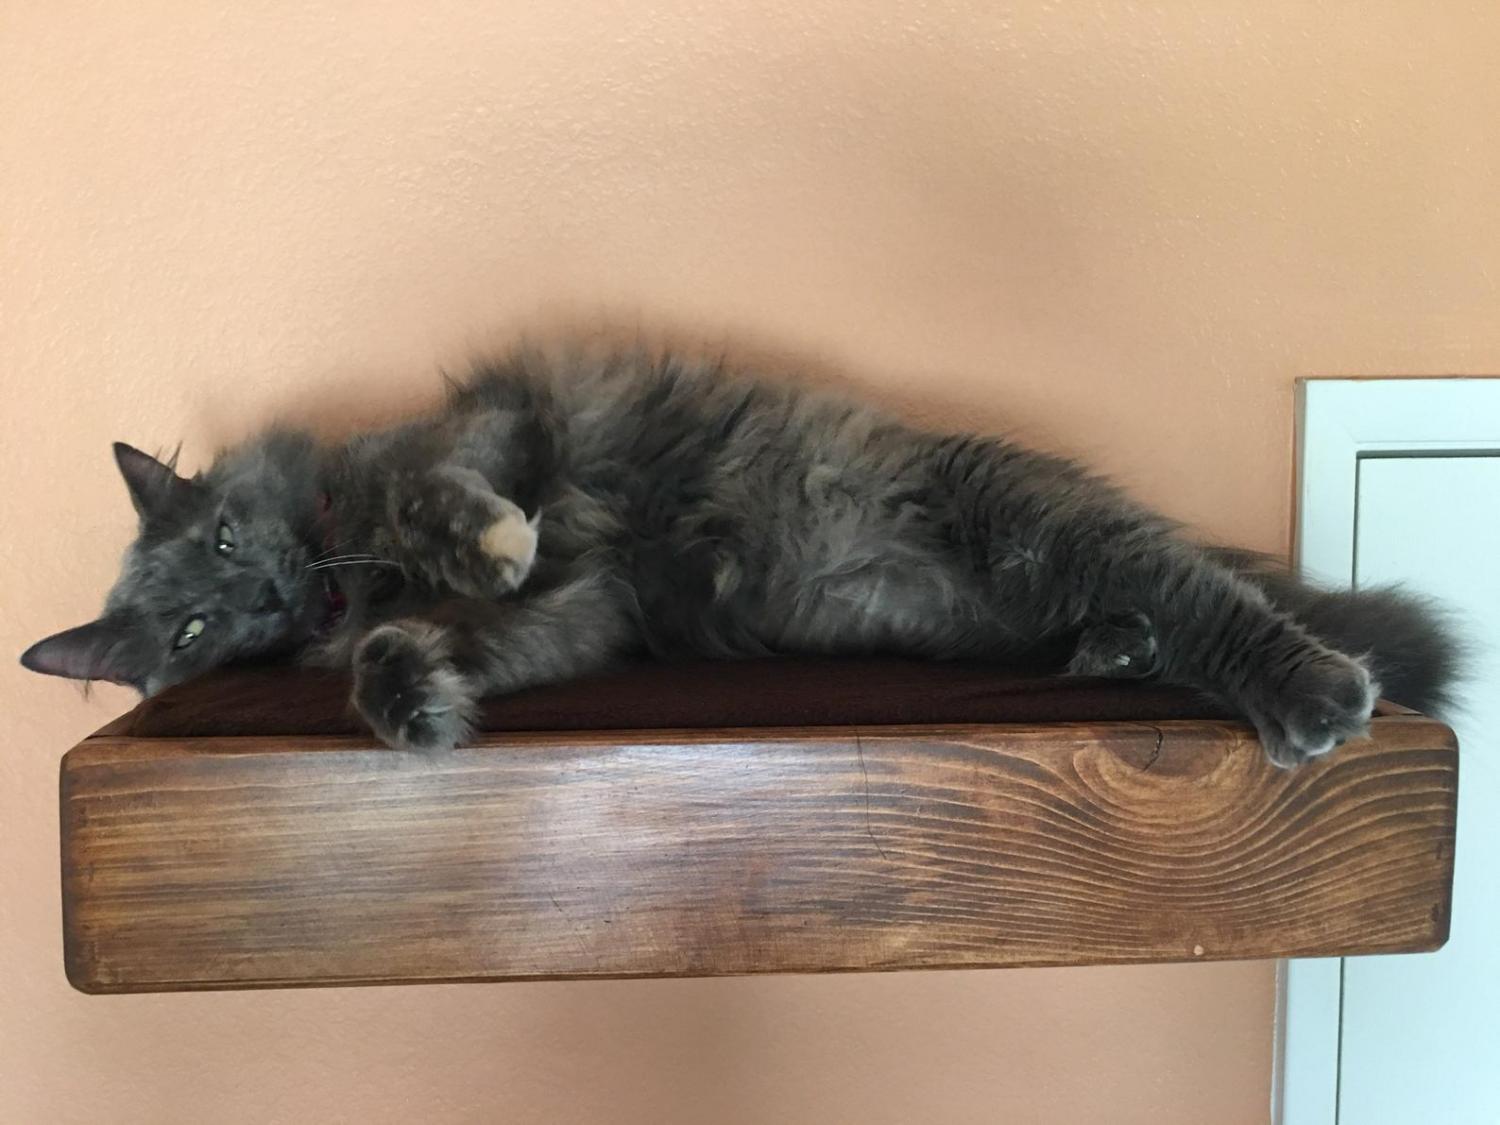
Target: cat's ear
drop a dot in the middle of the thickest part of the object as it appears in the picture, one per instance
(155, 487)
(100, 650)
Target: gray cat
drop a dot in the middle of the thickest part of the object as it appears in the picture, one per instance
(553, 518)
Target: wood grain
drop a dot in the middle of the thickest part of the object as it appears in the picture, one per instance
(272, 861)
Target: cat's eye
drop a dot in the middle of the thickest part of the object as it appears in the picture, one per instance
(190, 632)
(224, 541)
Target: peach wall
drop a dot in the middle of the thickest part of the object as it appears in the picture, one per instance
(1120, 230)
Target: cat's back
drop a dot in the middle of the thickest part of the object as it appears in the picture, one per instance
(671, 441)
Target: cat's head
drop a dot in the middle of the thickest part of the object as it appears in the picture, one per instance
(217, 572)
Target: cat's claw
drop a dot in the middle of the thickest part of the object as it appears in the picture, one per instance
(407, 690)
(1120, 647)
(1325, 703)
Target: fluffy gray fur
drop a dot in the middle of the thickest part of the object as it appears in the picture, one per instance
(552, 519)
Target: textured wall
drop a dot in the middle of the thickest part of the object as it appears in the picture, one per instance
(1117, 230)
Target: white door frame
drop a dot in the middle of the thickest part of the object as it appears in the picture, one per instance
(1339, 423)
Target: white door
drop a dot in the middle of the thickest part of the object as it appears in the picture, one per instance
(1401, 483)
(1421, 1034)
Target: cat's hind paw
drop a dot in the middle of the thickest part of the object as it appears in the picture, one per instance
(1323, 704)
(1119, 647)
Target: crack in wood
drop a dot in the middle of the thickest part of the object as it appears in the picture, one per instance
(859, 748)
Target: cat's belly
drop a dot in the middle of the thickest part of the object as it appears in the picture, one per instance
(918, 612)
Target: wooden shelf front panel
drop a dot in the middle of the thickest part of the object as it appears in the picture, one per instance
(272, 860)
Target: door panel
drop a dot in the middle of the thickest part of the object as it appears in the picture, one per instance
(1420, 1035)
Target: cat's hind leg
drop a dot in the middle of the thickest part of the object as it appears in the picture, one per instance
(1219, 633)
(1064, 550)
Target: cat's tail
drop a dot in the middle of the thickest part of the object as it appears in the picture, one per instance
(1412, 644)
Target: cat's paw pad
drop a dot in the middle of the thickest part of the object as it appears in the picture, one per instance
(408, 691)
(1326, 702)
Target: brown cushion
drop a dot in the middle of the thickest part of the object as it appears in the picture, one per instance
(781, 692)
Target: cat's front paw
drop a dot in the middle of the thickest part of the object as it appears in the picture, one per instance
(1325, 702)
(406, 688)
(509, 544)
(453, 531)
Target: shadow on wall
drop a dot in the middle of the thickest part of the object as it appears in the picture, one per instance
(337, 403)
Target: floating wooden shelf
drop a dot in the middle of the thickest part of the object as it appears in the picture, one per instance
(779, 816)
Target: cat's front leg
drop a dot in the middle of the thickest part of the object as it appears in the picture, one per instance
(418, 679)
(448, 528)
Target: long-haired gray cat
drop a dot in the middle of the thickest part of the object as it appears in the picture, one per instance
(556, 517)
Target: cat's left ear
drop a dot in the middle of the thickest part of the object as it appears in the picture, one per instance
(100, 650)
(155, 487)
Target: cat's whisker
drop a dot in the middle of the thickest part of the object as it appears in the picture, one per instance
(338, 558)
(328, 551)
(348, 559)
(355, 562)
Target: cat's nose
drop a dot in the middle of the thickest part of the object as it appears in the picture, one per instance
(270, 599)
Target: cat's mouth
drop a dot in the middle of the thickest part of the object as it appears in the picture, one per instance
(331, 606)
(301, 612)
(270, 602)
